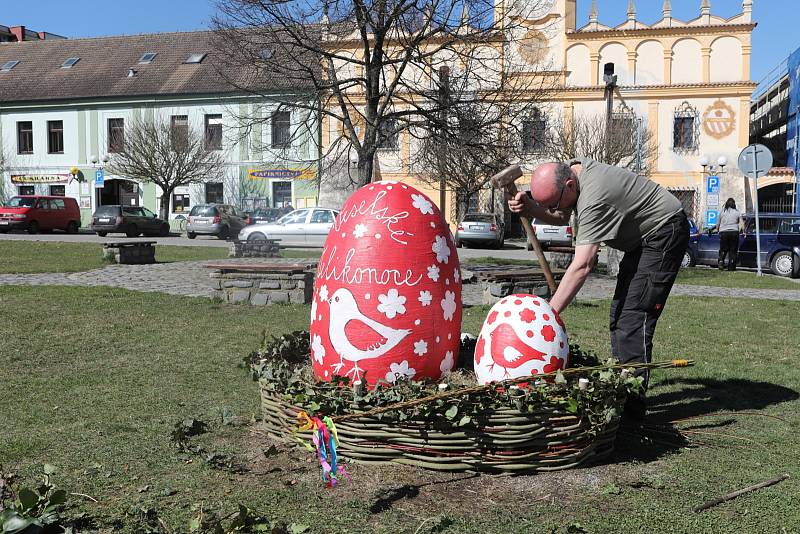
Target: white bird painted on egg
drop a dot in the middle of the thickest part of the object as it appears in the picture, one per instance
(344, 316)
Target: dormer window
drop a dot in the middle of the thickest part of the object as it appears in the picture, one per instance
(69, 62)
(147, 58)
(195, 58)
(8, 65)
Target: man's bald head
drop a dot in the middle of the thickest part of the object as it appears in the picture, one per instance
(548, 181)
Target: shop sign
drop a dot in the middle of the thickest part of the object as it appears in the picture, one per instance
(40, 178)
(282, 174)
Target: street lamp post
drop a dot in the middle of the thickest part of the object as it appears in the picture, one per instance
(99, 164)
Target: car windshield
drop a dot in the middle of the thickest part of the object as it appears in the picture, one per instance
(108, 211)
(204, 211)
(479, 217)
(20, 202)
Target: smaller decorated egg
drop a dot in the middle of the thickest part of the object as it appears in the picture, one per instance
(522, 335)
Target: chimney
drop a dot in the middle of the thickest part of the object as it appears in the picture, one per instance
(18, 32)
(705, 11)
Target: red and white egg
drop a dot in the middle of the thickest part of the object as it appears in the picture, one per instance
(387, 294)
(522, 335)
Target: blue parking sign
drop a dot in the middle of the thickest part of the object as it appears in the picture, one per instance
(99, 177)
(712, 184)
(711, 217)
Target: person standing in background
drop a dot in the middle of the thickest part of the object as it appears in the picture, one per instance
(729, 225)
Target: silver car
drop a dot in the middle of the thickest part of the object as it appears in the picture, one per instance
(306, 227)
(221, 220)
(552, 236)
(480, 228)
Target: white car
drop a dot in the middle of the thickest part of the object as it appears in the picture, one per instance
(306, 227)
(552, 236)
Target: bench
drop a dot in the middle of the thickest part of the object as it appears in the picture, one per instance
(130, 252)
(262, 248)
(263, 283)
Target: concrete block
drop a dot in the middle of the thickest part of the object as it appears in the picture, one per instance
(500, 289)
(238, 295)
(298, 296)
(270, 284)
(288, 285)
(237, 283)
(259, 299)
(278, 297)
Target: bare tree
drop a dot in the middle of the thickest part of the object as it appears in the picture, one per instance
(624, 140)
(5, 165)
(156, 152)
(374, 65)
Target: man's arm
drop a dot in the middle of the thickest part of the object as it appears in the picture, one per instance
(526, 207)
(576, 275)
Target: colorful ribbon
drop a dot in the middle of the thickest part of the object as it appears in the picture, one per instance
(325, 440)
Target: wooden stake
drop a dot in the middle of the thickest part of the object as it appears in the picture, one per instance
(731, 496)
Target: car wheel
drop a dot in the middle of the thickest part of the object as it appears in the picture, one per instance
(102, 234)
(72, 227)
(256, 236)
(225, 233)
(33, 227)
(132, 231)
(687, 260)
(164, 230)
(191, 235)
(781, 263)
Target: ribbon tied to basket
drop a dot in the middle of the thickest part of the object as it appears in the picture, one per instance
(325, 440)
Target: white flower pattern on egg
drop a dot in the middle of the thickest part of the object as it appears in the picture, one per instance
(441, 248)
(447, 364)
(400, 371)
(360, 231)
(422, 204)
(420, 347)
(392, 303)
(323, 293)
(449, 305)
(318, 350)
(425, 298)
(433, 273)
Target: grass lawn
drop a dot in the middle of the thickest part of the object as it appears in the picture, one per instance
(703, 276)
(51, 257)
(93, 380)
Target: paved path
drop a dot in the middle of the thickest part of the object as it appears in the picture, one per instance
(191, 279)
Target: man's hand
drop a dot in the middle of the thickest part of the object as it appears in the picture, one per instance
(521, 203)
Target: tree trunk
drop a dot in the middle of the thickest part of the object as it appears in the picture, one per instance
(365, 169)
(163, 205)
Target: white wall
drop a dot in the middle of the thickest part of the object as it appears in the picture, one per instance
(650, 63)
(726, 60)
(687, 62)
(579, 66)
(617, 54)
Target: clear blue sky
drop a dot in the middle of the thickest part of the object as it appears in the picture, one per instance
(774, 38)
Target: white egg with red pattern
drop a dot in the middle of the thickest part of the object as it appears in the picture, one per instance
(522, 335)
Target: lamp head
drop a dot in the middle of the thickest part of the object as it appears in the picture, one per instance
(722, 161)
(94, 159)
(704, 161)
(105, 158)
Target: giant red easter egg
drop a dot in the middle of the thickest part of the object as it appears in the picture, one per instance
(521, 336)
(387, 295)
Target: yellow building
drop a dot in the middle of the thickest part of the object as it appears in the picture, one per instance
(688, 82)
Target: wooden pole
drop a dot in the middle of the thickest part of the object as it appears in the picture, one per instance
(731, 496)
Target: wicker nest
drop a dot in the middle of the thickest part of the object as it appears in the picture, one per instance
(545, 426)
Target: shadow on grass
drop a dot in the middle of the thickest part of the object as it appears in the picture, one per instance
(388, 497)
(696, 397)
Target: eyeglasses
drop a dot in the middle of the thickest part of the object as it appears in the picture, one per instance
(558, 204)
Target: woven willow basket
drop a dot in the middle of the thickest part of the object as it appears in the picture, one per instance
(505, 440)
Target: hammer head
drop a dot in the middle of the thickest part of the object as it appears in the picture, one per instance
(506, 177)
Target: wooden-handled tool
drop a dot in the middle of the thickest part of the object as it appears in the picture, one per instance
(505, 180)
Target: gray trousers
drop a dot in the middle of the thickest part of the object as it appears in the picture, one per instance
(645, 278)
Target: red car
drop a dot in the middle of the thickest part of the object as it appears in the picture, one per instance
(35, 213)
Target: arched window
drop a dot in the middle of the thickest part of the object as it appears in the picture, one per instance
(534, 130)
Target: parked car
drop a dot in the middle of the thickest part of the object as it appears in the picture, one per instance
(694, 236)
(780, 244)
(34, 213)
(129, 220)
(221, 220)
(306, 227)
(266, 215)
(550, 235)
(480, 228)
